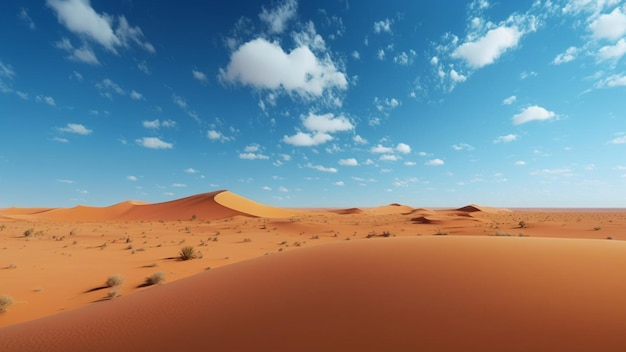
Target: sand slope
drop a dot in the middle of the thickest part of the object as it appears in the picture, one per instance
(206, 206)
(390, 294)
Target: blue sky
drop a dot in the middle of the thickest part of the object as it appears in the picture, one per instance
(308, 104)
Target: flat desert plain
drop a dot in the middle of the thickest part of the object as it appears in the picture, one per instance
(260, 278)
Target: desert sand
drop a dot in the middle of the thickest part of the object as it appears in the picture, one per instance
(389, 278)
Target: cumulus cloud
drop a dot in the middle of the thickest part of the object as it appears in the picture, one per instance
(263, 64)
(109, 31)
(218, 136)
(613, 52)
(75, 128)
(250, 154)
(191, 170)
(487, 49)
(320, 127)
(380, 149)
(322, 168)
(156, 124)
(505, 139)
(434, 162)
(302, 139)
(359, 140)
(383, 26)
(153, 143)
(618, 140)
(388, 157)
(339, 183)
(403, 148)
(520, 163)
(609, 26)
(276, 19)
(348, 162)
(132, 178)
(533, 113)
(462, 146)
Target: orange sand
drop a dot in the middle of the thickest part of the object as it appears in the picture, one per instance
(487, 286)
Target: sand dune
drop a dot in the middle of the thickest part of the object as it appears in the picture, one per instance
(402, 294)
(207, 206)
(389, 209)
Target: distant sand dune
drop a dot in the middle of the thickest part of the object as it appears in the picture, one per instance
(207, 206)
(397, 294)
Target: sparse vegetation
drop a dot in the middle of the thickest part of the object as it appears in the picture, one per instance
(115, 280)
(440, 233)
(5, 302)
(522, 224)
(113, 293)
(155, 278)
(29, 232)
(597, 228)
(187, 253)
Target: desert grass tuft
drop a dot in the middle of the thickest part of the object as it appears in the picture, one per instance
(115, 280)
(5, 302)
(155, 278)
(187, 253)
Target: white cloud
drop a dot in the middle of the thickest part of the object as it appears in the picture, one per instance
(380, 149)
(322, 168)
(388, 157)
(326, 123)
(106, 86)
(505, 139)
(199, 75)
(434, 162)
(359, 140)
(179, 185)
(136, 95)
(80, 18)
(302, 139)
(253, 156)
(410, 163)
(339, 183)
(23, 15)
(462, 146)
(153, 143)
(60, 140)
(76, 128)
(320, 126)
(457, 77)
(618, 140)
(567, 56)
(264, 64)
(609, 26)
(45, 99)
(83, 54)
(156, 124)
(383, 26)
(251, 148)
(613, 52)
(403, 148)
(266, 188)
(510, 100)
(276, 19)
(191, 170)
(520, 163)
(348, 162)
(356, 55)
(69, 182)
(533, 113)
(487, 49)
(132, 178)
(563, 171)
(612, 81)
(283, 189)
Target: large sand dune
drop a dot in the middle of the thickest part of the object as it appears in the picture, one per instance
(402, 294)
(206, 206)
